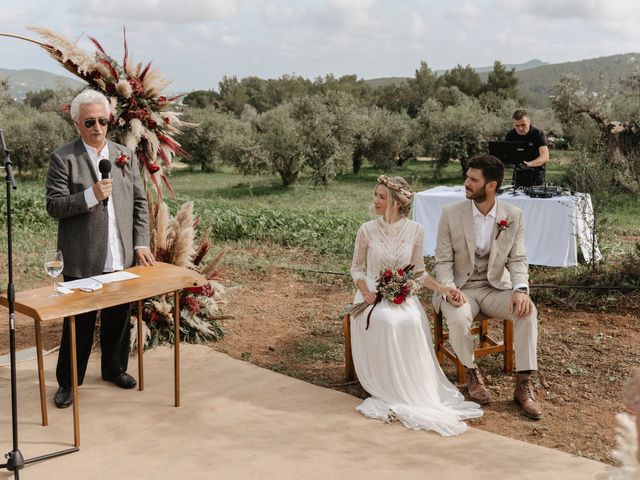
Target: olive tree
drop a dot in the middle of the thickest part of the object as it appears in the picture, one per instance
(31, 135)
(619, 139)
(202, 139)
(458, 132)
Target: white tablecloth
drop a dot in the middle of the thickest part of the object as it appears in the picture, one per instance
(553, 226)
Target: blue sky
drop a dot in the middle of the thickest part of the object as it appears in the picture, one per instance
(195, 43)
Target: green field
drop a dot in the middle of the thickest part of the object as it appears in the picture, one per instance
(314, 226)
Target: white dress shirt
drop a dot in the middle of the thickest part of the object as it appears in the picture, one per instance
(483, 228)
(115, 249)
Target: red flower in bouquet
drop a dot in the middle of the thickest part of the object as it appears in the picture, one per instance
(393, 284)
(502, 225)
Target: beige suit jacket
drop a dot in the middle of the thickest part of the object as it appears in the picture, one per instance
(455, 248)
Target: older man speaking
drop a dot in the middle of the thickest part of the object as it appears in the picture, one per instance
(103, 224)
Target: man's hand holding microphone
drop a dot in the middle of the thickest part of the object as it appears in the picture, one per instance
(102, 188)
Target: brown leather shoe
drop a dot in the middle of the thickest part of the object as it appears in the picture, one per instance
(525, 396)
(477, 391)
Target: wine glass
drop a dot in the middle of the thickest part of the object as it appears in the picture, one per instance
(53, 265)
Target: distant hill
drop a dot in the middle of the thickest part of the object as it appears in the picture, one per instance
(536, 83)
(380, 82)
(518, 66)
(23, 81)
(383, 82)
(536, 78)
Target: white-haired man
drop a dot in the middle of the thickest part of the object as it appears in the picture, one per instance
(96, 238)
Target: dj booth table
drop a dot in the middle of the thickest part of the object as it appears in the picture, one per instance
(553, 226)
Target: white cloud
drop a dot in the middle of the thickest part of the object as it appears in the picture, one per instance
(355, 13)
(165, 11)
(275, 13)
(228, 39)
(9, 17)
(196, 42)
(417, 26)
(464, 13)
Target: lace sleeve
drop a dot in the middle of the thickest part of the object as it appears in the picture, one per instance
(417, 256)
(359, 256)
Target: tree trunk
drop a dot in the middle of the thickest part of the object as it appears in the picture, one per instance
(357, 163)
(622, 154)
(288, 178)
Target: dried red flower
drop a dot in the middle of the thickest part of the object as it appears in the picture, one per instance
(502, 225)
(122, 161)
(399, 299)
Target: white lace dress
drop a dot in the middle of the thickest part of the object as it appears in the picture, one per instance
(395, 359)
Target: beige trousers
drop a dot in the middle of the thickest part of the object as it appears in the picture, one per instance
(482, 297)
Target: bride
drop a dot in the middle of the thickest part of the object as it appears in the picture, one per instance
(394, 357)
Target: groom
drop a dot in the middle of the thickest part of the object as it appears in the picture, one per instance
(480, 250)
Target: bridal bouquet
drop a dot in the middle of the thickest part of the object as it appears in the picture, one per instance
(394, 284)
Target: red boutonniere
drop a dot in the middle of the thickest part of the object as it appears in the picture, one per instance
(502, 225)
(121, 161)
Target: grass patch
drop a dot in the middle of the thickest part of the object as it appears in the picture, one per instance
(622, 214)
(314, 348)
(262, 225)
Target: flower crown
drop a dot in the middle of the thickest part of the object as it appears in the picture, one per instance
(393, 185)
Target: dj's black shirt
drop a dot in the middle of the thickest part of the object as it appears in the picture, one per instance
(535, 139)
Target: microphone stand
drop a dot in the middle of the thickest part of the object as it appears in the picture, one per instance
(15, 460)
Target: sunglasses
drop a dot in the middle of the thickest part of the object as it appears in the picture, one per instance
(90, 122)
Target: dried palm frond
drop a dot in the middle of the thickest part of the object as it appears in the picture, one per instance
(626, 450)
(67, 53)
(141, 117)
(181, 249)
(209, 271)
(162, 225)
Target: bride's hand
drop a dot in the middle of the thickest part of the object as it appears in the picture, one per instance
(454, 296)
(370, 297)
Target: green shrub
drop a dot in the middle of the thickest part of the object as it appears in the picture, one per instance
(28, 208)
(322, 231)
(32, 135)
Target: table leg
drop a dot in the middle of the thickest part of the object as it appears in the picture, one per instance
(43, 393)
(74, 380)
(140, 349)
(176, 347)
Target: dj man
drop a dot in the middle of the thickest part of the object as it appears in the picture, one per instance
(532, 170)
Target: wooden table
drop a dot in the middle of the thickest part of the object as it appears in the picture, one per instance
(160, 279)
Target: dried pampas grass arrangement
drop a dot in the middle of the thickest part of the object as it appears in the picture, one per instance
(200, 307)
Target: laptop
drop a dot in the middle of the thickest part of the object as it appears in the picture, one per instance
(509, 153)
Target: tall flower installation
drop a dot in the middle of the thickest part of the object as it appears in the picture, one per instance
(141, 118)
(142, 121)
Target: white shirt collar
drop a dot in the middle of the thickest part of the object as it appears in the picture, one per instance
(478, 213)
(94, 153)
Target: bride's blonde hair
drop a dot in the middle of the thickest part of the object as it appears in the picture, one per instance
(400, 193)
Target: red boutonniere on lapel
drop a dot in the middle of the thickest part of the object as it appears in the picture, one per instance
(121, 161)
(502, 225)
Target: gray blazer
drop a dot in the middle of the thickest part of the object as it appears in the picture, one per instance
(83, 232)
(456, 245)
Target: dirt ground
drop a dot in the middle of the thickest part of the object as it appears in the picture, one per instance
(292, 324)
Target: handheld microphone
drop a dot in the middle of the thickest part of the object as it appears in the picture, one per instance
(104, 166)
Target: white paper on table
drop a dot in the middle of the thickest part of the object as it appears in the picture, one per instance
(85, 284)
(63, 290)
(115, 277)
